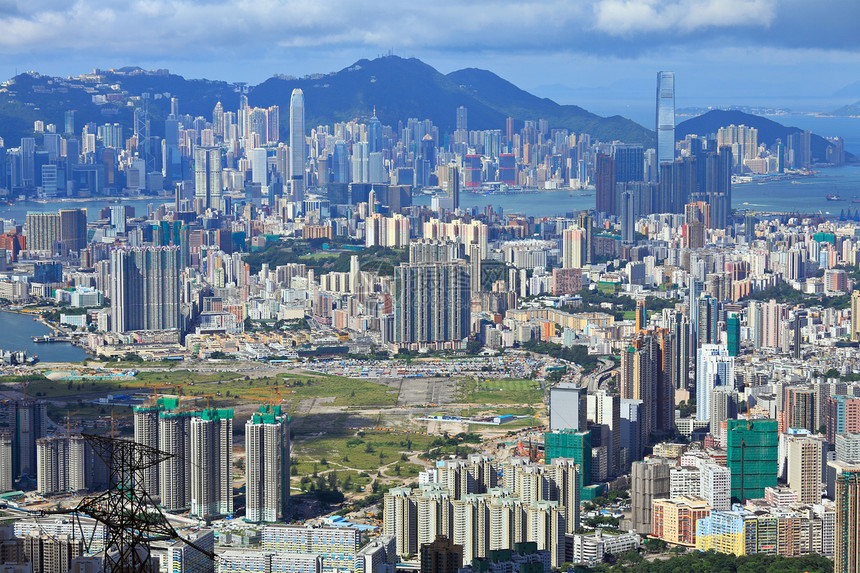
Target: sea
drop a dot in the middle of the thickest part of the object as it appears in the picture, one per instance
(18, 330)
(804, 195)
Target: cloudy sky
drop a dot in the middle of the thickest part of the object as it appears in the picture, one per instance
(746, 51)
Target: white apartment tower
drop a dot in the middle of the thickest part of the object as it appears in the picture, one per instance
(212, 463)
(267, 465)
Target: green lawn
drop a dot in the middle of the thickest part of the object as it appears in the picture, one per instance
(363, 450)
(502, 391)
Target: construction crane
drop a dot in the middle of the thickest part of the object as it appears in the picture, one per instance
(69, 415)
(275, 395)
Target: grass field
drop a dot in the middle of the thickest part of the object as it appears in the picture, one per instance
(364, 450)
(294, 388)
(503, 391)
(64, 389)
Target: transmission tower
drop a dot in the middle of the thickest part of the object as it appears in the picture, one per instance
(127, 511)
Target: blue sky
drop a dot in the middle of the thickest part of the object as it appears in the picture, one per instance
(602, 52)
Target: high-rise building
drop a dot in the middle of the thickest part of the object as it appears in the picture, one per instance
(6, 462)
(454, 185)
(51, 553)
(567, 407)
(605, 184)
(715, 486)
(646, 375)
(605, 409)
(146, 432)
(574, 445)
(208, 187)
(573, 248)
(43, 231)
(665, 117)
(650, 480)
(714, 367)
(799, 409)
(212, 463)
(174, 438)
(441, 556)
(374, 133)
(629, 162)
(297, 145)
(31, 424)
(752, 456)
(60, 464)
(842, 416)
(847, 500)
(733, 335)
(73, 230)
(267, 465)
(586, 222)
(804, 453)
(145, 293)
(855, 315)
(432, 303)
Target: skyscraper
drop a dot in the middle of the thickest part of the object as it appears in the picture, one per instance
(432, 302)
(586, 222)
(174, 437)
(31, 424)
(714, 367)
(267, 465)
(43, 231)
(605, 184)
(207, 179)
(629, 162)
(573, 245)
(60, 462)
(855, 315)
(212, 463)
(374, 133)
(73, 230)
(847, 521)
(665, 117)
(297, 144)
(145, 293)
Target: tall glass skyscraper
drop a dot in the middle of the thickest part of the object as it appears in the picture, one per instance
(665, 117)
(297, 144)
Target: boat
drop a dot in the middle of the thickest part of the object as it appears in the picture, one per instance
(833, 197)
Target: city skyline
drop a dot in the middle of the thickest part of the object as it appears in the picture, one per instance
(606, 45)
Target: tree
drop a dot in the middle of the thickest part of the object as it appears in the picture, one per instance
(474, 346)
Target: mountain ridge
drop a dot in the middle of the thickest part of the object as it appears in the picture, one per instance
(399, 88)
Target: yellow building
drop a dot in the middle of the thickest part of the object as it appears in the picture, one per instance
(675, 520)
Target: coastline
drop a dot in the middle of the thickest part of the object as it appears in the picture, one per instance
(117, 199)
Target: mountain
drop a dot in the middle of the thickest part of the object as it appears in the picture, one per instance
(504, 96)
(106, 97)
(851, 90)
(398, 88)
(768, 130)
(402, 88)
(850, 110)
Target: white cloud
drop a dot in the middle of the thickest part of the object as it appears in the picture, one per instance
(624, 17)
